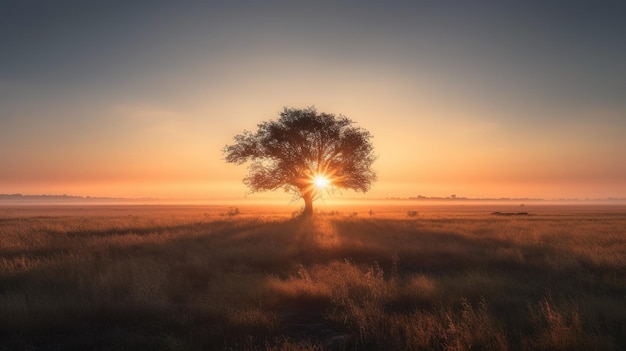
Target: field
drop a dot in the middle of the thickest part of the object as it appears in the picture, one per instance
(254, 278)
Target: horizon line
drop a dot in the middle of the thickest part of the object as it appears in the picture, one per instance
(52, 197)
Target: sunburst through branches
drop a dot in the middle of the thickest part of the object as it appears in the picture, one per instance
(321, 182)
(306, 153)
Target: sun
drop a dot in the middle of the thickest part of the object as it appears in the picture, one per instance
(321, 182)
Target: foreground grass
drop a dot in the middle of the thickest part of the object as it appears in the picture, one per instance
(198, 279)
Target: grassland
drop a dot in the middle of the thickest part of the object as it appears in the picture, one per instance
(197, 278)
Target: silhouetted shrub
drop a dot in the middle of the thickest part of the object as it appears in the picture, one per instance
(233, 211)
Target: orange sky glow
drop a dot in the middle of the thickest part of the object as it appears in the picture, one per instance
(458, 102)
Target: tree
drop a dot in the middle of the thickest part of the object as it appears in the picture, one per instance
(304, 153)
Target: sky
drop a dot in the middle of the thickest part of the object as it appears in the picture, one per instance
(477, 99)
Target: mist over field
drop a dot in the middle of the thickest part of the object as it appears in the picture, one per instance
(456, 173)
(402, 277)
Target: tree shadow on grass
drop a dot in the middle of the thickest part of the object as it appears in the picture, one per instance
(142, 294)
(204, 285)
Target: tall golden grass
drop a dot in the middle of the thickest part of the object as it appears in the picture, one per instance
(203, 278)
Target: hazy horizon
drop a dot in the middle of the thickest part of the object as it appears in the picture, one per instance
(286, 201)
(136, 99)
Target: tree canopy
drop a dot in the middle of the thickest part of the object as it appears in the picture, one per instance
(303, 152)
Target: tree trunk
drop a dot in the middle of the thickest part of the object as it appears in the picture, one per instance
(308, 203)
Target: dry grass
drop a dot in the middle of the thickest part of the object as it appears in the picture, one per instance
(197, 278)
